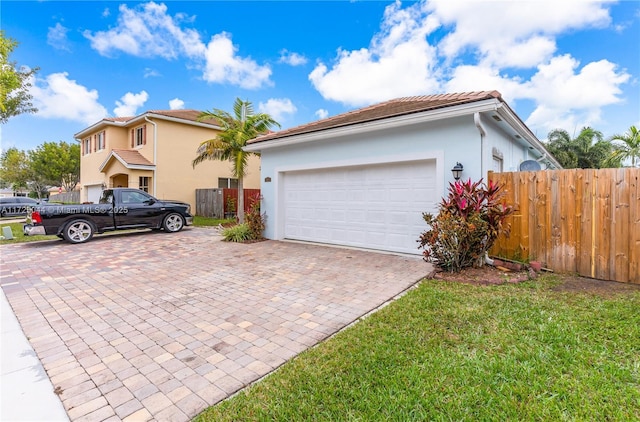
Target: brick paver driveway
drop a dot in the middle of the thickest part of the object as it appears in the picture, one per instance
(160, 326)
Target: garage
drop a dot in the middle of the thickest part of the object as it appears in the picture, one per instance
(94, 192)
(369, 206)
(363, 178)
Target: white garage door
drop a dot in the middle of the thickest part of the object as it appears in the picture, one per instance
(372, 206)
(94, 192)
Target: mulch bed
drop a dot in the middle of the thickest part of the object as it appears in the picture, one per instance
(489, 275)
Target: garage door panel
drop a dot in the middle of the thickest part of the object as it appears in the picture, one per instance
(375, 206)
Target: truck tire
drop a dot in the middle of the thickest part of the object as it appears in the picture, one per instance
(173, 223)
(78, 231)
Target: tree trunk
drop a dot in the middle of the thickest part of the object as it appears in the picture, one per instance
(240, 200)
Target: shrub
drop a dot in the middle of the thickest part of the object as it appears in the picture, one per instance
(251, 229)
(237, 233)
(469, 221)
(254, 219)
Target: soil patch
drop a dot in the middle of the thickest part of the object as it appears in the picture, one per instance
(489, 275)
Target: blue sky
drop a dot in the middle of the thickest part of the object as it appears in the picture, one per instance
(559, 64)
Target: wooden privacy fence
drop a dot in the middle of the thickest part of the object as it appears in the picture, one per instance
(583, 221)
(222, 203)
(72, 197)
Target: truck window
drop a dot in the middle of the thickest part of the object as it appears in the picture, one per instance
(107, 197)
(134, 197)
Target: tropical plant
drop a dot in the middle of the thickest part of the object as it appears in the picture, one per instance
(237, 233)
(626, 146)
(587, 150)
(228, 145)
(14, 83)
(255, 220)
(468, 223)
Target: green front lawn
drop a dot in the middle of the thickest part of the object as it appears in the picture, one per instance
(18, 237)
(449, 351)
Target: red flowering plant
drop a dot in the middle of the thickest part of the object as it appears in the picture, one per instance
(468, 223)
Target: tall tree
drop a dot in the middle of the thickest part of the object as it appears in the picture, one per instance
(57, 164)
(587, 150)
(625, 146)
(14, 168)
(228, 145)
(14, 83)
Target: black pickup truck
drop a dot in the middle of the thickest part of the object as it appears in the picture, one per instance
(118, 209)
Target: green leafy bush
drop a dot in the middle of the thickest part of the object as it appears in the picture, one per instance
(251, 229)
(469, 221)
(254, 219)
(237, 233)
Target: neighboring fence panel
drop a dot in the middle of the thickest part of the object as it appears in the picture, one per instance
(210, 203)
(582, 221)
(232, 195)
(221, 203)
(72, 197)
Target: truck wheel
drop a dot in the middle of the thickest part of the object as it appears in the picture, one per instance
(78, 231)
(173, 223)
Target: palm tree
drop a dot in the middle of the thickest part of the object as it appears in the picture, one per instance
(625, 146)
(237, 129)
(587, 150)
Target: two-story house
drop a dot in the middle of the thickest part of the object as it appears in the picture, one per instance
(153, 152)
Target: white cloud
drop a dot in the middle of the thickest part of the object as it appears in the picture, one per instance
(58, 97)
(151, 73)
(176, 104)
(148, 31)
(57, 37)
(398, 62)
(467, 78)
(562, 92)
(291, 58)
(278, 108)
(129, 104)
(322, 113)
(508, 46)
(513, 33)
(223, 65)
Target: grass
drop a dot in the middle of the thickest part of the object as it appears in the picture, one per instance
(449, 351)
(209, 222)
(19, 237)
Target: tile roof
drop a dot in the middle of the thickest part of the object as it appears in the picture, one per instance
(184, 114)
(131, 157)
(384, 110)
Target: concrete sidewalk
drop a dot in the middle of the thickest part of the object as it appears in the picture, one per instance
(26, 393)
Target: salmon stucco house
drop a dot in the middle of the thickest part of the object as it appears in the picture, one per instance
(153, 152)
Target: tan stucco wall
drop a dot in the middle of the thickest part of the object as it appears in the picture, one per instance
(175, 176)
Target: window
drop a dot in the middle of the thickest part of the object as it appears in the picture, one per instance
(86, 146)
(139, 136)
(497, 164)
(132, 197)
(226, 182)
(100, 141)
(143, 183)
(497, 160)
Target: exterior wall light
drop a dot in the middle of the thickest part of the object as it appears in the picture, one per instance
(457, 171)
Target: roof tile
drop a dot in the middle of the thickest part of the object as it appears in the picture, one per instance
(132, 157)
(387, 109)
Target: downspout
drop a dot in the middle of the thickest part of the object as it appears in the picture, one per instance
(483, 133)
(155, 153)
